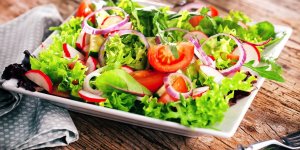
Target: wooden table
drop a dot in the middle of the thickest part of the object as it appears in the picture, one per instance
(274, 112)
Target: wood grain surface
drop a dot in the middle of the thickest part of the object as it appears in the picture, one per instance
(274, 112)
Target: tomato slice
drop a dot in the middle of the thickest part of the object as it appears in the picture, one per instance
(195, 20)
(233, 57)
(152, 80)
(213, 11)
(161, 58)
(84, 10)
(179, 85)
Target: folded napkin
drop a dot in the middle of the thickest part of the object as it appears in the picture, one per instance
(27, 122)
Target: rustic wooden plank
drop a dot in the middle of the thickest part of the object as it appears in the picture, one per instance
(274, 112)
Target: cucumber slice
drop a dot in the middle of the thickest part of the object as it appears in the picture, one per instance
(95, 43)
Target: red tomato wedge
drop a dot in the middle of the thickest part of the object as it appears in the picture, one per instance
(161, 58)
(152, 80)
(195, 20)
(213, 11)
(84, 10)
(179, 85)
(233, 57)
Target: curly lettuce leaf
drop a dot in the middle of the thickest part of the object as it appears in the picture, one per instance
(203, 111)
(51, 60)
(237, 16)
(118, 100)
(126, 50)
(73, 82)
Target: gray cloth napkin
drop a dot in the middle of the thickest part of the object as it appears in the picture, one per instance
(27, 122)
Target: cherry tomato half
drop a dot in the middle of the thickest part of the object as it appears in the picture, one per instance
(195, 20)
(179, 85)
(152, 80)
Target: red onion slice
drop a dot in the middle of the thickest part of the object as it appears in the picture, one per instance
(258, 44)
(86, 82)
(236, 67)
(201, 54)
(121, 32)
(168, 81)
(197, 92)
(91, 30)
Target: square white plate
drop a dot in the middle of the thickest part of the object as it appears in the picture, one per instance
(226, 128)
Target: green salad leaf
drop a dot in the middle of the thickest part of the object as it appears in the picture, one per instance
(119, 100)
(51, 60)
(127, 50)
(270, 71)
(118, 79)
(203, 111)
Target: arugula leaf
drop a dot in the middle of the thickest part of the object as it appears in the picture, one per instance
(273, 74)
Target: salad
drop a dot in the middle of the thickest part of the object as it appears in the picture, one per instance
(187, 67)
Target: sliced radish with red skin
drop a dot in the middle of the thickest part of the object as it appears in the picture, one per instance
(111, 20)
(91, 63)
(82, 40)
(252, 53)
(127, 26)
(195, 35)
(86, 49)
(89, 97)
(199, 91)
(71, 52)
(127, 69)
(41, 79)
(209, 71)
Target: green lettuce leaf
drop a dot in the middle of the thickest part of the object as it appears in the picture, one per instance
(126, 50)
(118, 79)
(119, 100)
(203, 111)
(51, 60)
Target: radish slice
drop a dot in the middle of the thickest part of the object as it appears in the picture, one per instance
(111, 20)
(89, 97)
(127, 69)
(91, 63)
(91, 30)
(86, 82)
(71, 52)
(127, 26)
(199, 91)
(218, 77)
(82, 40)
(168, 81)
(86, 49)
(41, 79)
(195, 35)
(252, 53)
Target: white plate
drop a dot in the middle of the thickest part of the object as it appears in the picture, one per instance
(226, 128)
